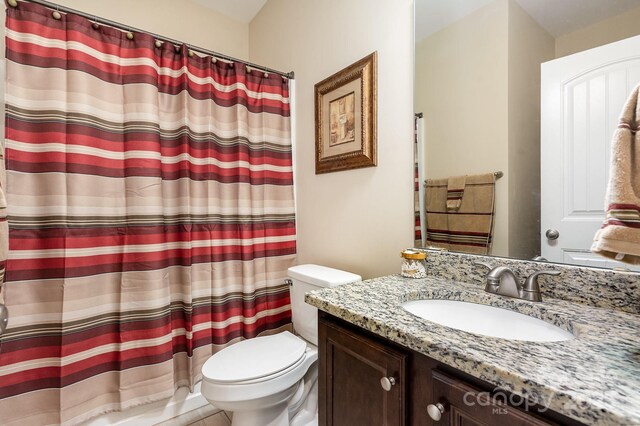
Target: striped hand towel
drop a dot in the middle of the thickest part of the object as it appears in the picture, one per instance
(619, 236)
(455, 189)
(468, 230)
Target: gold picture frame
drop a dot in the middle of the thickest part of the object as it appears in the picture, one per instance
(346, 118)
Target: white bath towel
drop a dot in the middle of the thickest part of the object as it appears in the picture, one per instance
(619, 236)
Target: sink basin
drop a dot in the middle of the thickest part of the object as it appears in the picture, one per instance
(487, 320)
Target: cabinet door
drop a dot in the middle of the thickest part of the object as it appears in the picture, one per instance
(464, 405)
(351, 367)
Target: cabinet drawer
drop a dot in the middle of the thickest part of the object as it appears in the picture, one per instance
(464, 405)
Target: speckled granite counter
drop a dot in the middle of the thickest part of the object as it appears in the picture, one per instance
(594, 378)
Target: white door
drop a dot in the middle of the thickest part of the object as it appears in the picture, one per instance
(582, 98)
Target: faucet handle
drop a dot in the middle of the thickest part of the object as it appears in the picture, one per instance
(486, 265)
(531, 288)
(492, 283)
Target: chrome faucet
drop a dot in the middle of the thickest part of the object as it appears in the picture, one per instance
(504, 282)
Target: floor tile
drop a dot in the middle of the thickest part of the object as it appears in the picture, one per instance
(219, 419)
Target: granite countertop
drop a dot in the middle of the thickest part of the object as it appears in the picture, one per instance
(594, 378)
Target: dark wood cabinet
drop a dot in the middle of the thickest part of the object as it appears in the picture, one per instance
(462, 404)
(354, 371)
(352, 362)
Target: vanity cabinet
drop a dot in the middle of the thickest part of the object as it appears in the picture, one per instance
(366, 380)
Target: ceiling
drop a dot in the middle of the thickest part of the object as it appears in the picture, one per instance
(558, 17)
(240, 10)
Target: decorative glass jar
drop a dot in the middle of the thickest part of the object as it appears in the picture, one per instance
(414, 264)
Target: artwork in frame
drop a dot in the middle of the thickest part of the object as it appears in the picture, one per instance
(346, 118)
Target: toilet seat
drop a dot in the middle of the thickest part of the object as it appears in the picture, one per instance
(236, 385)
(255, 360)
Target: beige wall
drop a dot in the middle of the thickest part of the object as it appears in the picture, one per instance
(612, 29)
(461, 75)
(356, 220)
(181, 20)
(529, 45)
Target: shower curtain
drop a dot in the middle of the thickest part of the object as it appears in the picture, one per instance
(417, 179)
(151, 215)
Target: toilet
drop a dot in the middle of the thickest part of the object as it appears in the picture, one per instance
(272, 380)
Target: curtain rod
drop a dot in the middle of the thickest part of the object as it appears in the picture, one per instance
(120, 26)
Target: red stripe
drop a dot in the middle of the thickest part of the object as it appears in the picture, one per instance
(56, 377)
(151, 256)
(42, 346)
(69, 238)
(41, 57)
(47, 133)
(57, 156)
(617, 206)
(144, 47)
(38, 270)
(615, 222)
(239, 175)
(440, 231)
(463, 213)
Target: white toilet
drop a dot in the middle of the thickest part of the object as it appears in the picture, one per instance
(272, 380)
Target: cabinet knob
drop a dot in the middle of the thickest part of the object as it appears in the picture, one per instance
(387, 383)
(435, 411)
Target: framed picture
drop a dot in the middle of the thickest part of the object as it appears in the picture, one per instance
(346, 118)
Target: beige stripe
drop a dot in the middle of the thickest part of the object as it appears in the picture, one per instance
(39, 302)
(67, 360)
(140, 188)
(183, 196)
(51, 194)
(32, 89)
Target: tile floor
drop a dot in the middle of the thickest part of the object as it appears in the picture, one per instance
(218, 419)
(205, 416)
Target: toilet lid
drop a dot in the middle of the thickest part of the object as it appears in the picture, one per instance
(254, 358)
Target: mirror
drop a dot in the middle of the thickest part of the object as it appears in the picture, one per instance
(497, 82)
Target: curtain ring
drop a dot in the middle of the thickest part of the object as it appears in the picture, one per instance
(266, 75)
(248, 70)
(213, 60)
(129, 35)
(95, 24)
(158, 44)
(190, 53)
(12, 3)
(230, 64)
(56, 13)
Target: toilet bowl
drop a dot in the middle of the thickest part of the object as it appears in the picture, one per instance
(272, 380)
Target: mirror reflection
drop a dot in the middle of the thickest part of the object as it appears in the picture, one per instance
(516, 104)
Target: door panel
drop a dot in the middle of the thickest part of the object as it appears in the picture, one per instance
(350, 369)
(582, 97)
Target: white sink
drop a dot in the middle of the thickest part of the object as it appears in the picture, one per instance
(487, 320)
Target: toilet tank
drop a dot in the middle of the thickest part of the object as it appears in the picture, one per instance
(306, 278)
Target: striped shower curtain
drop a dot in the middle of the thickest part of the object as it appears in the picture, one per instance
(417, 205)
(151, 215)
